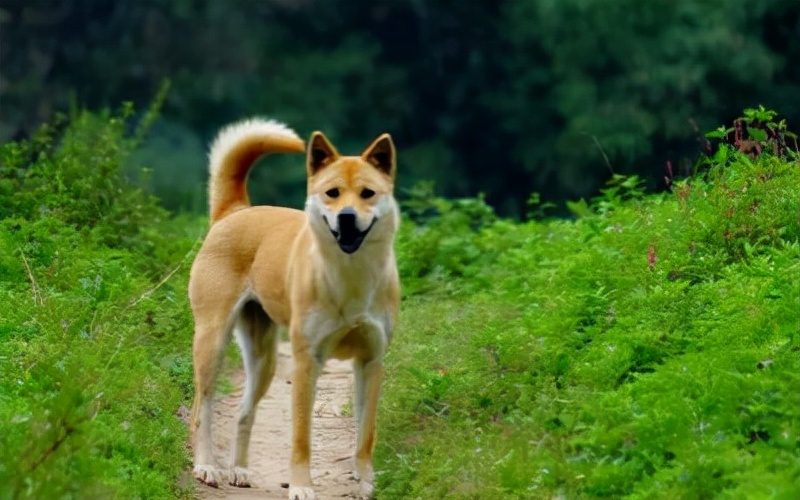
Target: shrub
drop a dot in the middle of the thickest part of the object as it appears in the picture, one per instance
(647, 348)
(92, 344)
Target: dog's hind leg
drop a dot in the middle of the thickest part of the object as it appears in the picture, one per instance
(211, 335)
(257, 337)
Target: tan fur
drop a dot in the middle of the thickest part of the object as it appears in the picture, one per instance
(328, 273)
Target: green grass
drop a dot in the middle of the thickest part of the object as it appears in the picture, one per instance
(647, 348)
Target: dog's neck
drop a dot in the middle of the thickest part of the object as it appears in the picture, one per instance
(353, 278)
(356, 276)
(368, 262)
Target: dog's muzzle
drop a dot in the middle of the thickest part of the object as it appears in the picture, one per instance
(348, 237)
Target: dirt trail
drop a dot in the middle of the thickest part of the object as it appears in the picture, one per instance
(333, 436)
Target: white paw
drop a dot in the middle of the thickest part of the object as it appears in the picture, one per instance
(301, 493)
(240, 477)
(364, 472)
(365, 490)
(207, 474)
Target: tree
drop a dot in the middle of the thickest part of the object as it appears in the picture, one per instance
(501, 97)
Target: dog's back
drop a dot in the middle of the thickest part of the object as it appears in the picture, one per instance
(248, 248)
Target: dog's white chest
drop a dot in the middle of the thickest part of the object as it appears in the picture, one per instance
(325, 327)
(352, 309)
(325, 321)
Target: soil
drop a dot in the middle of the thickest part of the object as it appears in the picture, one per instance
(333, 436)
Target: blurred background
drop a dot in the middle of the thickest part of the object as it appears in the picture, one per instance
(500, 97)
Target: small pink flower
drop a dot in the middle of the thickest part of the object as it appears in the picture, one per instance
(651, 257)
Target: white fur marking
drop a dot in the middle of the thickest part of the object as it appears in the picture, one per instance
(236, 132)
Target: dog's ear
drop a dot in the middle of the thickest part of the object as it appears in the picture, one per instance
(321, 153)
(381, 154)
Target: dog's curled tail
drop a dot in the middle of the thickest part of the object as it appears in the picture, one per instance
(233, 153)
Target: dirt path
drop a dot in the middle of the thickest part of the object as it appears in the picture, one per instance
(333, 436)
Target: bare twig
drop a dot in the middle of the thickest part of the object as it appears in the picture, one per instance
(602, 152)
(68, 431)
(37, 294)
(116, 351)
(168, 276)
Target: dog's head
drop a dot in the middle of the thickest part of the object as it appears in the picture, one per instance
(350, 198)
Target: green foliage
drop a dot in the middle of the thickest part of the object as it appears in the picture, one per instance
(72, 174)
(626, 77)
(646, 349)
(438, 239)
(94, 345)
(503, 98)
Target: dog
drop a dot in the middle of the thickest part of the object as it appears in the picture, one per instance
(328, 273)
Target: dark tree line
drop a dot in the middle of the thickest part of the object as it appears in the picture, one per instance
(501, 97)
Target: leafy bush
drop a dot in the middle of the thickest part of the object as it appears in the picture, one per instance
(92, 344)
(646, 349)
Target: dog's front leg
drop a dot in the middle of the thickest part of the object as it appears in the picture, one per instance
(306, 372)
(368, 377)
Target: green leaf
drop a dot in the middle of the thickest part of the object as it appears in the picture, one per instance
(580, 208)
(757, 134)
(719, 133)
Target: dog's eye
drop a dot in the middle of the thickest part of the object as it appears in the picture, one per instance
(367, 194)
(333, 193)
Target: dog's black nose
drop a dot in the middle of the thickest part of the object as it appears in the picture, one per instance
(347, 220)
(348, 236)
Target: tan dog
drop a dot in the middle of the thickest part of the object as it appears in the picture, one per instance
(328, 273)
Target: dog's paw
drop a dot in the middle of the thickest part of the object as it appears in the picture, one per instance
(239, 477)
(207, 474)
(301, 493)
(365, 490)
(364, 472)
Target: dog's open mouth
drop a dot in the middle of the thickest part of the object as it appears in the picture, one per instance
(348, 237)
